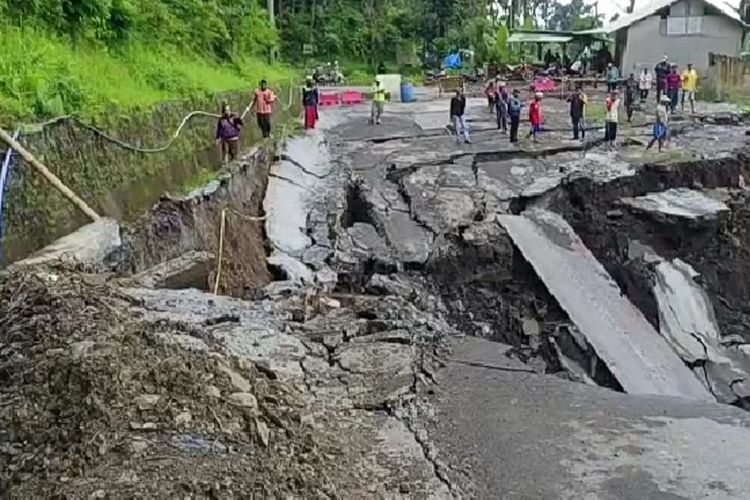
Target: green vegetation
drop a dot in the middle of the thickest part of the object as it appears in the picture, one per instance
(90, 57)
(408, 32)
(93, 57)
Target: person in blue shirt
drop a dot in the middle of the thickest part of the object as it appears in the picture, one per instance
(613, 77)
(514, 113)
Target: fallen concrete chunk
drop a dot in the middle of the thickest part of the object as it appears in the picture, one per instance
(88, 245)
(687, 321)
(638, 357)
(410, 242)
(189, 270)
(679, 202)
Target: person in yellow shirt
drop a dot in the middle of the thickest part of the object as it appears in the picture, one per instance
(689, 86)
(378, 103)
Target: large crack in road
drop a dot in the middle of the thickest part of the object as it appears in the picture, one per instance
(407, 346)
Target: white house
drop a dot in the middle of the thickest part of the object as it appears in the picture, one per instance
(685, 30)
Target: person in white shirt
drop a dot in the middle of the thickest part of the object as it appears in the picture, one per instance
(644, 83)
(611, 117)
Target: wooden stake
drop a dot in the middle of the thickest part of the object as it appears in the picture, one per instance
(52, 178)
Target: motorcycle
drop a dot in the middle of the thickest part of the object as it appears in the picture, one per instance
(328, 75)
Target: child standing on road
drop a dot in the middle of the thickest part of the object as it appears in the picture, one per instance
(514, 113)
(611, 117)
(661, 126)
(536, 116)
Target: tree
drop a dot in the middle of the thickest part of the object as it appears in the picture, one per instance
(574, 16)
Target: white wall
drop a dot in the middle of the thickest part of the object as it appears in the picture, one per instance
(646, 45)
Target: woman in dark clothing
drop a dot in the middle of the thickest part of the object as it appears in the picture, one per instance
(310, 99)
(228, 133)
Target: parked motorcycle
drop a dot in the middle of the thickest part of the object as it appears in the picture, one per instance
(329, 75)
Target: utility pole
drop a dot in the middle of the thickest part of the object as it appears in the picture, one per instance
(272, 21)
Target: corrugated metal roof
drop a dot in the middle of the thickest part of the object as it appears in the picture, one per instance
(656, 5)
(538, 38)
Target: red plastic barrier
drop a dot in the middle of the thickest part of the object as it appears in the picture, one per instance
(352, 97)
(329, 100)
(543, 85)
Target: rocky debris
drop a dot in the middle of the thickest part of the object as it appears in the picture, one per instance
(93, 401)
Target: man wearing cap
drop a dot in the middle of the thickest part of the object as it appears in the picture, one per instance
(661, 71)
(514, 113)
(689, 86)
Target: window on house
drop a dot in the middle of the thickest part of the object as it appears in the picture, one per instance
(680, 26)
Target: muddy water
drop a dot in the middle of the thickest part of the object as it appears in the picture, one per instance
(127, 202)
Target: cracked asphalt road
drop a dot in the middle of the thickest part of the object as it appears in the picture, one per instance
(412, 337)
(494, 429)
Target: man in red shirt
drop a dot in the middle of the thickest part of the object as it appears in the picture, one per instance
(263, 106)
(674, 83)
(535, 116)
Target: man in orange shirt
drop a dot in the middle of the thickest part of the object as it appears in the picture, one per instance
(263, 106)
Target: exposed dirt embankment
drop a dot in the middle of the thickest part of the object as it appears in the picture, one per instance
(176, 226)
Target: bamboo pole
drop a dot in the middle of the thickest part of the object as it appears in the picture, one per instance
(52, 178)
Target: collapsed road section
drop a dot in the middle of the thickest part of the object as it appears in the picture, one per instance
(383, 314)
(641, 360)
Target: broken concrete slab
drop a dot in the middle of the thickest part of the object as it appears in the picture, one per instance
(89, 245)
(189, 270)
(687, 321)
(410, 242)
(679, 202)
(640, 359)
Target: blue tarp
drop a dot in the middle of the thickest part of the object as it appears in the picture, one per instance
(452, 61)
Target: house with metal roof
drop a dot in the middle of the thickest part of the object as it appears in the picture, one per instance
(687, 31)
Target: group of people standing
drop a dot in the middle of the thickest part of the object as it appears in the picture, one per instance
(670, 83)
(506, 104)
(230, 124)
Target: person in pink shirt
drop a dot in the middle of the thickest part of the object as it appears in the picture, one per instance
(263, 106)
(674, 84)
(536, 117)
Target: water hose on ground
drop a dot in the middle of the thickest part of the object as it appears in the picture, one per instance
(14, 145)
